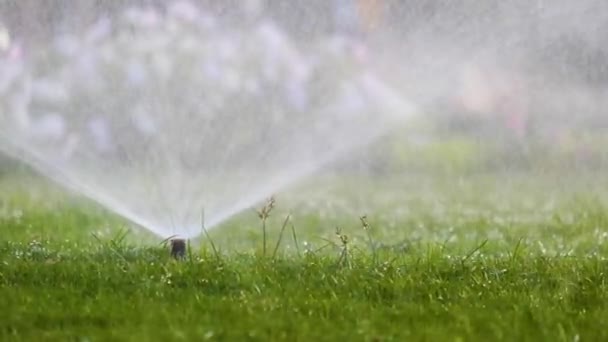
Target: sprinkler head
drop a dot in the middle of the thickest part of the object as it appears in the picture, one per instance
(178, 248)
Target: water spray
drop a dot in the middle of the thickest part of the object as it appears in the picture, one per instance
(225, 151)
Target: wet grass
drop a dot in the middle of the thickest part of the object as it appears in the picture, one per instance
(522, 259)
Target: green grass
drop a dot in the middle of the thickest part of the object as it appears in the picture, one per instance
(486, 257)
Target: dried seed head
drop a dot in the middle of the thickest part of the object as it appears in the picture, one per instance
(364, 222)
(264, 213)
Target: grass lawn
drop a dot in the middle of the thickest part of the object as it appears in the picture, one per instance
(485, 257)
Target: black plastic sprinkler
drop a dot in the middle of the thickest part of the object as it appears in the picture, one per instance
(178, 248)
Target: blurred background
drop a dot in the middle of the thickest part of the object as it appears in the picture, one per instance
(517, 84)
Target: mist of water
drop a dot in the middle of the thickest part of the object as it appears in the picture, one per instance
(159, 115)
(159, 112)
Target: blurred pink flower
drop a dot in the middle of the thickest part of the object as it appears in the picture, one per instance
(184, 10)
(100, 30)
(100, 132)
(48, 126)
(136, 74)
(68, 46)
(15, 52)
(144, 17)
(297, 97)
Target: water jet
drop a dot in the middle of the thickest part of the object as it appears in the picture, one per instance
(157, 114)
